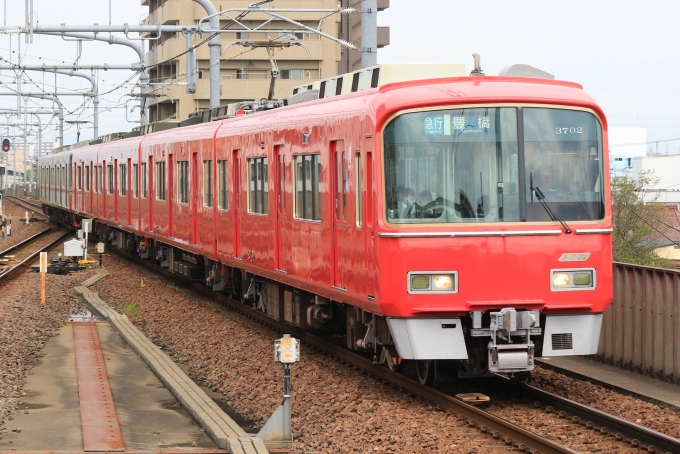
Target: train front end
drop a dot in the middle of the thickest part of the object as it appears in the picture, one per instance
(495, 232)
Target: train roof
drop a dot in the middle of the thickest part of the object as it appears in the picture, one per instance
(381, 90)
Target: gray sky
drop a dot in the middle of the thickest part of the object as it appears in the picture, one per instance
(624, 52)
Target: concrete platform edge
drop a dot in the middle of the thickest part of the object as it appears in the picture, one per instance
(223, 430)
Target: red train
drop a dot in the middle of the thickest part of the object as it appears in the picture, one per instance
(440, 218)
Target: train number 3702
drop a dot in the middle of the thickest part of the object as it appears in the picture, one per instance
(572, 130)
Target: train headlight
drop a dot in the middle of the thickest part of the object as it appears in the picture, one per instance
(432, 282)
(443, 282)
(560, 280)
(572, 279)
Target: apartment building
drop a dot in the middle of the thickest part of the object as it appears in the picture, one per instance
(245, 72)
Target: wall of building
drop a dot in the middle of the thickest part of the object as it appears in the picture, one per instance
(237, 61)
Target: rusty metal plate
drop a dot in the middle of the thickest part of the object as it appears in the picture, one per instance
(101, 431)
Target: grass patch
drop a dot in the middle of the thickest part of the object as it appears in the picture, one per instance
(131, 309)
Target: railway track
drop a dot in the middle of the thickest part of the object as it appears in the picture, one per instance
(28, 205)
(637, 436)
(26, 261)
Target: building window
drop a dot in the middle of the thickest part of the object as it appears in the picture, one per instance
(144, 180)
(200, 74)
(160, 180)
(259, 188)
(357, 167)
(122, 184)
(183, 181)
(292, 74)
(223, 185)
(135, 181)
(241, 35)
(207, 184)
(307, 188)
(241, 73)
(87, 178)
(109, 177)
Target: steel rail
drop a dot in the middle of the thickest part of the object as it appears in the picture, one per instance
(26, 204)
(636, 435)
(11, 271)
(485, 422)
(25, 242)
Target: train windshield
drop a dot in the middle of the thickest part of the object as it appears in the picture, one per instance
(468, 165)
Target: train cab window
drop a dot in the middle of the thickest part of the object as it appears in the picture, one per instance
(563, 159)
(307, 189)
(464, 165)
(79, 177)
(448, 166)
(122, 174)
(144, 180)
(207, 183)
(135, 181)
(87, 178)
(222, 185)
(183, 181)
(258, 190)
(109, 178)
(160, 180)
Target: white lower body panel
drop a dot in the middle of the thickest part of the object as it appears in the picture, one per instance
(428, 338)
(567, 335)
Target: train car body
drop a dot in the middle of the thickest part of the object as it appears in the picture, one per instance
(453, 218)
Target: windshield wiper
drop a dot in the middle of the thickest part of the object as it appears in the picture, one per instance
(541, 198)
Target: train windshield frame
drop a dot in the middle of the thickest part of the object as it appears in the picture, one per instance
(476, 164)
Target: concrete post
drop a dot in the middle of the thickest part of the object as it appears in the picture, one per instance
(191, 62)
(369, 33)
(215, 51)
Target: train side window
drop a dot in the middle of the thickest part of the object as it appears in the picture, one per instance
(144, 180)
(79, 179)
(258, 193)
(207, 183)
(135, 181)
(223, 185)
(122, 172)
(307, 191)
(183, 181)
(160, 180)
(357, 191)
(87, 178)
(109, 178)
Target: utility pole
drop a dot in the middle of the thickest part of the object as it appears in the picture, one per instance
(369, 33)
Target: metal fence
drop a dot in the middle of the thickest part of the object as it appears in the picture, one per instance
(641, 329)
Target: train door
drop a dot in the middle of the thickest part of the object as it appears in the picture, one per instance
(170, 194)
(89, 177)
(116, 187)
(368, 216)
(280, 197)
(195, 199)
(130, 189)
(150, 193)
(236, 190)
(340, 181)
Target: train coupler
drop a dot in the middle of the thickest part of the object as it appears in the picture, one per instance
(507, 327)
